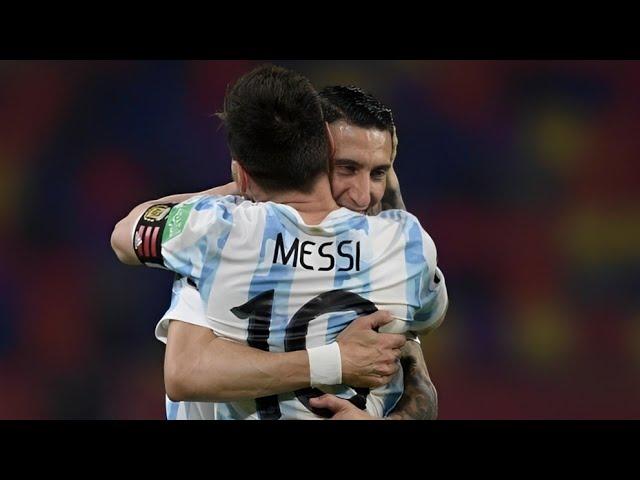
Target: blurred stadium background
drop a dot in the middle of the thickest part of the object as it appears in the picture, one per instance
(526, 174)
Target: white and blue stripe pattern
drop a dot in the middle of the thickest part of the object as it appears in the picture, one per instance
(228, 248)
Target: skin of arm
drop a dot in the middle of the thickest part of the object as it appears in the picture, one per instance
(121, 241)
(269, 373)
(200, 366)
(419, 400)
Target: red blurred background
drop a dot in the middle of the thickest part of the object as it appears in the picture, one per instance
(525, 173)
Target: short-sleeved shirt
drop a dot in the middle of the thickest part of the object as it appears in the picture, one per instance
(267, 279)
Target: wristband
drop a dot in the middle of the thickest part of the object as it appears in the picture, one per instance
(325, 365)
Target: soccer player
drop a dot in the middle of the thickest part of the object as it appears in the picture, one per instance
(295, 255)
(363, 178)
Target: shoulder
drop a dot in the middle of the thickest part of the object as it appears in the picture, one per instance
(416, 237)
(401, 218)
(224, 207)
(208, 202)
(396, 215)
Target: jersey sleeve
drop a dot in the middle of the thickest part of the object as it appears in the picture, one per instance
(434, 298)
(422, 300)
(183, 237)
(186, 306)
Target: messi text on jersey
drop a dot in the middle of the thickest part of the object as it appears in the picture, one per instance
(299, 252)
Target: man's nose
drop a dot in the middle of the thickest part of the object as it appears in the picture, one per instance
(360, 192)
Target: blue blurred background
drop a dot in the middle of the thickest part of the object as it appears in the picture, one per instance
(525, 173)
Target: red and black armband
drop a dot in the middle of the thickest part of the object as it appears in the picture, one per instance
(147, 236)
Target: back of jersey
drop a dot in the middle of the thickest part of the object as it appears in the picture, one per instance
(275, 283)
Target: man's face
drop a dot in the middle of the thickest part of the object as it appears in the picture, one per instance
(361, 162)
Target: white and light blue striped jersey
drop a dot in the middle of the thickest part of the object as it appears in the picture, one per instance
(186, 306)
(271, 281)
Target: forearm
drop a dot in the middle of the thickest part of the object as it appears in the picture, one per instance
(227, 189)
(229, 371)
(121, 237)
(204, 367)
(419, 400)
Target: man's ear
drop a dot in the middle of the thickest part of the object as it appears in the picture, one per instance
(234, 170)
(240, 176)
(246, 185)
(394, 145)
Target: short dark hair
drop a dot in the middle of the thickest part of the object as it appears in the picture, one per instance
(276, 128)
(355, 106)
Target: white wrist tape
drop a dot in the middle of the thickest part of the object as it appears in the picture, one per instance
(325, 365)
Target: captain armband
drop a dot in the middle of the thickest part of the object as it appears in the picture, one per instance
(147, 234)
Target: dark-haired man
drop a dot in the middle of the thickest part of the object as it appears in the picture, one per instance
(365, 149)
(364, 133)
(312, 207)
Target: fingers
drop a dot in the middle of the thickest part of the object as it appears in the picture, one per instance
(377, 319)
(394, 340)
(329, 402)
(373, 381)
(388, 369)
(380, 381)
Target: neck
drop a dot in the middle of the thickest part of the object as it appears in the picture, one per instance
(313, 206)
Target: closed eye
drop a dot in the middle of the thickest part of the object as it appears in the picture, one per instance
(346, 169)
(379, 173)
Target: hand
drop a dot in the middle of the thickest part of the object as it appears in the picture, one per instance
(392, 197)
(342, 409)
(392, 180)
(369, 359)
